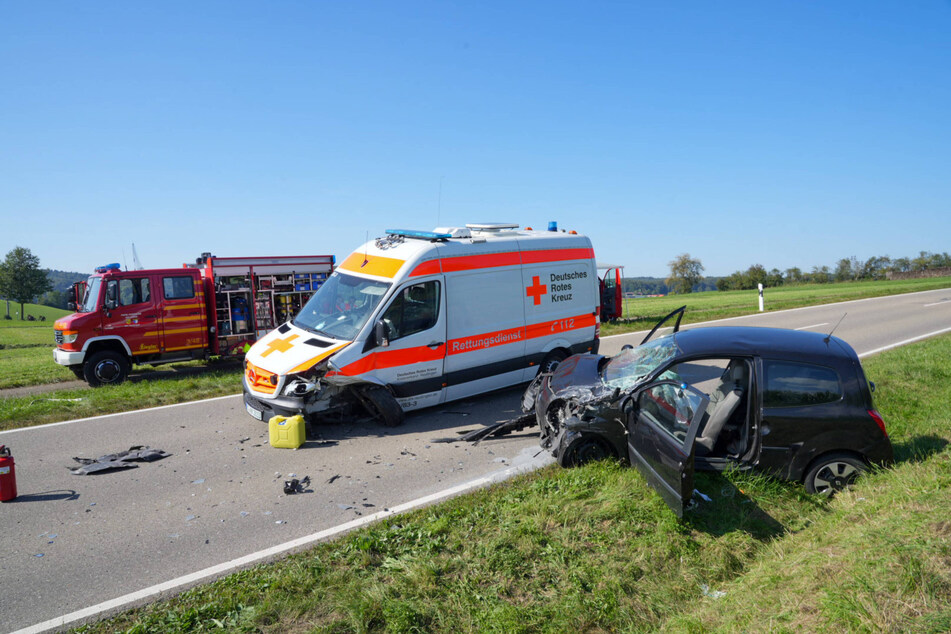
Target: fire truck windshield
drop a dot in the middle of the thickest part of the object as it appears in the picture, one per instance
(341, 306)
(92, 294)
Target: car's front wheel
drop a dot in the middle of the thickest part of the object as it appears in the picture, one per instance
(833, 472)
(586, 449)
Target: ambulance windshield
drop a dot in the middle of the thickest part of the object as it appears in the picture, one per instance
(341, 306)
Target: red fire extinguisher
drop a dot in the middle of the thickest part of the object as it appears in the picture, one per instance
(8, 476)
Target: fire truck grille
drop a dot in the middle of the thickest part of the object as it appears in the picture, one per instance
(260, 380)
(58, 335)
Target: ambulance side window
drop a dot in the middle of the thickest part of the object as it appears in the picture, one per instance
(414, 309)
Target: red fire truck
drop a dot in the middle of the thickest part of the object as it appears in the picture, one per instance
(214, 307)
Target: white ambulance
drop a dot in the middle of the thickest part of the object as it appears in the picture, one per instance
(418, 318)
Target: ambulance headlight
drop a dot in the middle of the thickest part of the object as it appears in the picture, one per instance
(298, 387)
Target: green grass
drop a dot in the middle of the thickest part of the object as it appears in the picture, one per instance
(58, 405)
(593, 549)
(51, 314)
(26, 349)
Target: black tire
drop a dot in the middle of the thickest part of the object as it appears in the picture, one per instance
(106, 368)
(551, 361)
(833, 472)
(381, 405)
(587, 449)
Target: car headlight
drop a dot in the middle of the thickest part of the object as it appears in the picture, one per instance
(70, 336)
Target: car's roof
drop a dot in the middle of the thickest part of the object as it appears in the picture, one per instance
(766, 342)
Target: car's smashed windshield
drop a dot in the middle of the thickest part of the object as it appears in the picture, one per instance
(341, 306)
(630, 366)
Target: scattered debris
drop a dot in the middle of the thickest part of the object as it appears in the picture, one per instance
(713, 594)
(493, 431)
(122, 460)
(296, 486)
(331, 480)
(702, 496)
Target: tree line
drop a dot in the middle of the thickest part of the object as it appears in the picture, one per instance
(686, 273)
(846, 270)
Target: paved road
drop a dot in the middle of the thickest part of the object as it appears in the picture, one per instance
(70, 542)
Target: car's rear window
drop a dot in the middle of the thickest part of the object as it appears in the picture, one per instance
(796, 384)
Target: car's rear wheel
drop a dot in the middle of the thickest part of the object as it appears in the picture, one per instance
(833, 472)
(587, 449)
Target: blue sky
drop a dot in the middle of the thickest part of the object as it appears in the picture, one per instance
(775, 133)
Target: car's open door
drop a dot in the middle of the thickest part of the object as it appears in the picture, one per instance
(680, 315)
(662, 423)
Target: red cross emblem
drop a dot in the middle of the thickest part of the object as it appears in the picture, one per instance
(536, 290)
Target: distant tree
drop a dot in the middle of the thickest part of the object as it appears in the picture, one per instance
(793, 276)
(820, 275)
(21, 279)
(685, 273)
(55, 299)
(843, 270)
(874, 268)
(900, 265)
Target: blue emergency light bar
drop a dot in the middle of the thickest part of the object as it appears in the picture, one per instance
(109, 267)
(421, 235)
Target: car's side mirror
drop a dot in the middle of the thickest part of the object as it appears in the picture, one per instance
(381, 334)
(71, 305)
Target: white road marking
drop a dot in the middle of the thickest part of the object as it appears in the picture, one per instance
(905, 342)
(943, 301)
(812, 326)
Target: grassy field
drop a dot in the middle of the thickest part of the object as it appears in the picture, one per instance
(593, 549)
(37, 311)
(26, 358)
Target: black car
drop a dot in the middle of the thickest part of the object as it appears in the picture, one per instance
(792, 403)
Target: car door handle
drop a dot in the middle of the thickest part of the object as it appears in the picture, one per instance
(436, 344)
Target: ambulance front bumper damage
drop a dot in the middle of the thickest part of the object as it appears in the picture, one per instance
(317, 392)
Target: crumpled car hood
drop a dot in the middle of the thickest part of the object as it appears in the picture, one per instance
(580, 370)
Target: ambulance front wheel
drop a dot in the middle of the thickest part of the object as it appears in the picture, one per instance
(381, 405)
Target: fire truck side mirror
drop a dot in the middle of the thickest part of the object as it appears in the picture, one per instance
(71, 305)
(111, 299)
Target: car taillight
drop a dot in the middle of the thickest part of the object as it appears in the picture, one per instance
(878, 420)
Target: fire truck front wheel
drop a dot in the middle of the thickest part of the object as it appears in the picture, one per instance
(381, 405)
(107, 367)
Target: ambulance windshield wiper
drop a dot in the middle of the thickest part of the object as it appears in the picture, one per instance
(313, 330)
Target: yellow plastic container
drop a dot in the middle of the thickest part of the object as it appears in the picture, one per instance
(287, 433)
